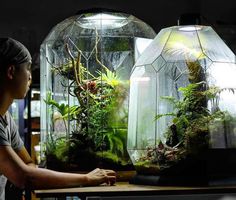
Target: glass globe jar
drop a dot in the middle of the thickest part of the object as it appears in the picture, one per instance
(86, 62)
(182, 106)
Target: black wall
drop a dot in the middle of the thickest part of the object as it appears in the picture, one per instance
(30, 21)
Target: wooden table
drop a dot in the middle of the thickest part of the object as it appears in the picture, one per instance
(123, 189)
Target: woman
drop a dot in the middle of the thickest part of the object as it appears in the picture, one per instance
(15, 163)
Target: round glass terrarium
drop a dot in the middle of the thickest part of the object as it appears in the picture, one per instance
(182, 110)
(86, 62)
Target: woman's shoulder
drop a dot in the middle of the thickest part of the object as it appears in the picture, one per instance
(8, 117)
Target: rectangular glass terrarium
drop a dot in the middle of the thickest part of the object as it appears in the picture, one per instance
(182, 109)
(85, 68)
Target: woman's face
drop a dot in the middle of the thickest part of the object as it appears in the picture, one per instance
(22, 80)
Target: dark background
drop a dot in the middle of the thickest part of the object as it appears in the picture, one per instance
(30, 21)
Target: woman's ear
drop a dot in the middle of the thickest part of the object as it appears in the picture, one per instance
(11, 71)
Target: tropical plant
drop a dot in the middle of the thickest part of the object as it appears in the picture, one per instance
(188, 132)
(100, 125)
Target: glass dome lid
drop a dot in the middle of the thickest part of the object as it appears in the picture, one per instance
(180, 43)
(104, 22)
(98, 31)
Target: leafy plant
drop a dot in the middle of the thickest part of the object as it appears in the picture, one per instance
(100, 126)
(188, 133)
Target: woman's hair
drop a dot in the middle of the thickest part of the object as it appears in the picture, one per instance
(13, 52)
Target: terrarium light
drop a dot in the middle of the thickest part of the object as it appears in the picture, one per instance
(190, 28)
(102, 20)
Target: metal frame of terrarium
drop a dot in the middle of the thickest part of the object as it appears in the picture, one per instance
(85, 67)
(182, 110)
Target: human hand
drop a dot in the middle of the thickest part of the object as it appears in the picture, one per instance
(99, 176)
